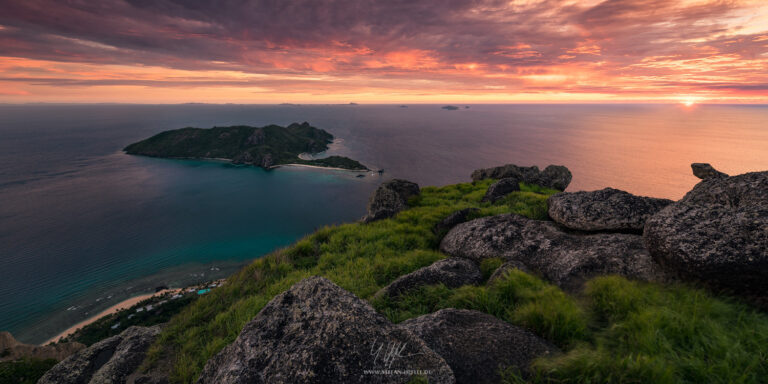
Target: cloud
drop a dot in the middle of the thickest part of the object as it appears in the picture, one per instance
(488, 45)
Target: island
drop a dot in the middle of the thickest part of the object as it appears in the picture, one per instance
(450, 107)
(266, 147)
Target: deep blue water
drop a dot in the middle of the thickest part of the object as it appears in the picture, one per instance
(83, 225)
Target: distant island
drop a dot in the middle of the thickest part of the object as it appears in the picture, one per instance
(451, 107)
(266, 147)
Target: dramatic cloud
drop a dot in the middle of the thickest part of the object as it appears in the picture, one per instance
(256, 51)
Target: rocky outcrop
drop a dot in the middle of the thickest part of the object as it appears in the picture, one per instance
(389, 199)
(554, 176)
(604, 210)
(501, 188)
(451, 272)
(453, 220)
(10, 349)
(108, 361)
(566, 259)
(706, 171)
(317, 332)
(717, 234)
(744, 190)
(476, 345)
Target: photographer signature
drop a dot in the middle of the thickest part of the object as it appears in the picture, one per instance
(387, 353)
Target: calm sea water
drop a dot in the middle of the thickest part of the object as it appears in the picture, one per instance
(83, 225)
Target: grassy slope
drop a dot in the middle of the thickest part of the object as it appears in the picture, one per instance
(25, 371)
(616, 331)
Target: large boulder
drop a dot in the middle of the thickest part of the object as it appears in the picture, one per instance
(554, 176)
(717, 234)
(749, 189)
(477, 345)
(501, 188)
(111, 360)
(10, 349)
(390, 198)
(566, 259)
(317, 332)
(604, 210)
(706, 171)
(451, 272)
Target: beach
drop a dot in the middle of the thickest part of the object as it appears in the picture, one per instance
(113, 309)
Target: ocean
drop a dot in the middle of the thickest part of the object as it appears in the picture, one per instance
(84, 226)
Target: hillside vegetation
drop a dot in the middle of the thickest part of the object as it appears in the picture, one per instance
(615, 331)
(261, 146)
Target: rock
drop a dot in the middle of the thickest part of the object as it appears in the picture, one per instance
(706, 171)
(476, 344)
(390, 198)
(452, 272)
(10, 349)
(108, 361)
(554, 176)
(501, 188)
(604, 210)
(717, 234)
(749, 189)
(565, 259)
(266, 161)
(453, 220)
(317, 332)
(506, 267)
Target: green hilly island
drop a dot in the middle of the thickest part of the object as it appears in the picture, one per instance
(265, 147)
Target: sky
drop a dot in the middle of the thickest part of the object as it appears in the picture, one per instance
(387, 51)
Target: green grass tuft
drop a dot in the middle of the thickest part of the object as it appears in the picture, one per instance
(657, 334)
(25, 371)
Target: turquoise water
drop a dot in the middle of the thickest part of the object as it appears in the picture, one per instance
(83, 226)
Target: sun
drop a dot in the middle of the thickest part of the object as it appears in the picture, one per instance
(689, 103)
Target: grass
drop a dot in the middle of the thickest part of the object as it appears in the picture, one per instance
(616, 331)
(359, 258)
(664, 334)
(26, 371)
(518, 298)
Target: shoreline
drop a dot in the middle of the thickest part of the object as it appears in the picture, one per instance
(320, 167)
(220, 159)
(125, 304)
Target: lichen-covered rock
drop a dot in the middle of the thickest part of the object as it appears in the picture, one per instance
(749, 189)
(553, 176)
(604, 210)
(501, 188)
(717, 234)
(108, 361)
(317, 332)
(476, 345)
(390, 198)
(556, 177)
(706, 171)
(453, 220)
(565, 259)
(451, 272)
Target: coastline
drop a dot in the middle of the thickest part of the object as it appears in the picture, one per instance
(221, 159)
(319, 167)
(127, 303)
